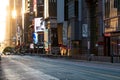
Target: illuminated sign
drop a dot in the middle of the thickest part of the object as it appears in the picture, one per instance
(107, 34)
(39, 25)
(35, 38)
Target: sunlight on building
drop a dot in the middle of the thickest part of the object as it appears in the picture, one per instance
(3, 14)
(14, 14)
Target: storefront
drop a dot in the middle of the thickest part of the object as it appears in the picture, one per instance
(112, 44)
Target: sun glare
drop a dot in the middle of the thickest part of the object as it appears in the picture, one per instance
(3, 13)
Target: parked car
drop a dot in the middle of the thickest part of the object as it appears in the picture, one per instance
(7, 53)
(8, 50)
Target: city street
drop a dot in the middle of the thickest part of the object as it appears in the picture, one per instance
(14, 67)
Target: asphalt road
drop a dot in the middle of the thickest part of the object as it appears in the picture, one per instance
(37, 68)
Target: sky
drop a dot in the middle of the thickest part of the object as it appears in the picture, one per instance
(3, 14)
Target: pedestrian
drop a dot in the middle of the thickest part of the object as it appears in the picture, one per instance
(31, 48)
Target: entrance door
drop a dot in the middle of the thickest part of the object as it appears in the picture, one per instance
(107, 46)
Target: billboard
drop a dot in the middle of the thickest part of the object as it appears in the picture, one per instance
(39, 24)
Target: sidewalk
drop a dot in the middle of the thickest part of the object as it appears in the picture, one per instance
(96, 59)
(92, 62)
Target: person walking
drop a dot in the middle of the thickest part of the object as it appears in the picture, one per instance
(31, 48)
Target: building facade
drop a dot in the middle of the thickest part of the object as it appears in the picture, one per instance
(62, 27)
(33, 9)
(79, 27)
(28, 21)
(112, 27)
(72, 15)
(50, 17)
(75, 26)
(15, 22)
(84, 26)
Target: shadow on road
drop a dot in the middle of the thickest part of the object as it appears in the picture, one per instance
(2, 76)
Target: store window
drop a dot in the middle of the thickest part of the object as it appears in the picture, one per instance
(115, 45)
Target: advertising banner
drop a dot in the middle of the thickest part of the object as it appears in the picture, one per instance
(35, 38)
(39, 25)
